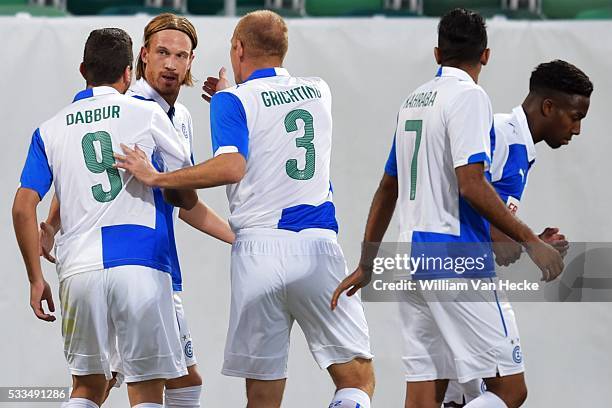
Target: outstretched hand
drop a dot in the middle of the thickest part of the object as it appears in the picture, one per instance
(135, 161)
(355, 281)
(212, 84)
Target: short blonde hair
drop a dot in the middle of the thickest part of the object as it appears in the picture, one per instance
(263, 33)
(168, 21)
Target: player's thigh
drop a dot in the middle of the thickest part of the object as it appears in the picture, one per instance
(84, 323)
(333, 336)
(257, 344)
(357, 373)
(426, 355)
(265, 393)
(142, 312)
(425, 394)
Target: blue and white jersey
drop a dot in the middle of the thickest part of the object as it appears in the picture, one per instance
(108, 218)
(514, 155)
(282, 125)
(444, 124)
(181, 119)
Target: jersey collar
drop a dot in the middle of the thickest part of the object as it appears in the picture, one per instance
(521, 121)
(455, 73)
(142, 88)
(268, 72)
(95, 91)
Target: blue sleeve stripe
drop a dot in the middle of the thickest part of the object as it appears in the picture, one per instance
(478, 158)
(36, 174)
(228, 124)
(391, 166)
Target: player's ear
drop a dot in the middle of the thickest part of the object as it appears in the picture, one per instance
(144, 54)
(239, 49)
(547, 107)
(83, 71)
(437, 56)
(484, 57)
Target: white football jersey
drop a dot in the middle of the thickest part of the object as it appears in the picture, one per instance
(514, 155)
(282, 125)
(442, 125)
(181, 119)
(108, 218)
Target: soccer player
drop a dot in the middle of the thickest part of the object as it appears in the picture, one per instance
(108, 287)
(437, 173)
(558, 101)
(164, 65)
(272, 146)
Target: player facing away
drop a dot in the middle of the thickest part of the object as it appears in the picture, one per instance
(558, 101)
(163, 67)
(437, 174)
(272, 142)
(113, 257)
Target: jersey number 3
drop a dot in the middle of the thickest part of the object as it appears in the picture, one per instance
(105, 165)
(291, 166)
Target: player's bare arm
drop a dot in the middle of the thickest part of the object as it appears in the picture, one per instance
(379, 217)
(48, 229)
(26, 231)
(205, 219)
(482, 196)
(507, 251)
(228, 168)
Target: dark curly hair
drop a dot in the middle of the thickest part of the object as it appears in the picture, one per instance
(462, 36)
(560, 76)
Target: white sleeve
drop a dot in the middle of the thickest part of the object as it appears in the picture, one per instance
(469, 120)
(168, 143)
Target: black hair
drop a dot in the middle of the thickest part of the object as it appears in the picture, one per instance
(462, 37)
(560, 76)
(108, 51)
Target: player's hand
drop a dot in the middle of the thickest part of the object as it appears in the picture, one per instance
(506, 250)
(39, 292)
(136, 162)
(558, 241)
(355, 281)
(212, 84)
(46, 241)
(546, 258)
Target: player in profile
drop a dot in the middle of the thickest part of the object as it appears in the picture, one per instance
(163, 67)
(272, 145)
(107, 286)
(558, 101)
(436, 173)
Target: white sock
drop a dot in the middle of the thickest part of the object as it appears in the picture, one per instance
(79, 403)
(186, 397)
(487, 400)
(350, 398)
(148, 405)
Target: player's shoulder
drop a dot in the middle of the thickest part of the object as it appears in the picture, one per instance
(506, 130)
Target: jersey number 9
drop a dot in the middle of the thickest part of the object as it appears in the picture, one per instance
(106, 165)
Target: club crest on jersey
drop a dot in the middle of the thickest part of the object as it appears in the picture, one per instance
(188, 349)
(513, 204)
(517, 355)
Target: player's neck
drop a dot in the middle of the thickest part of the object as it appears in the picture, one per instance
(119, 86)
(472, 70)
(255, 65)
(531, 110)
